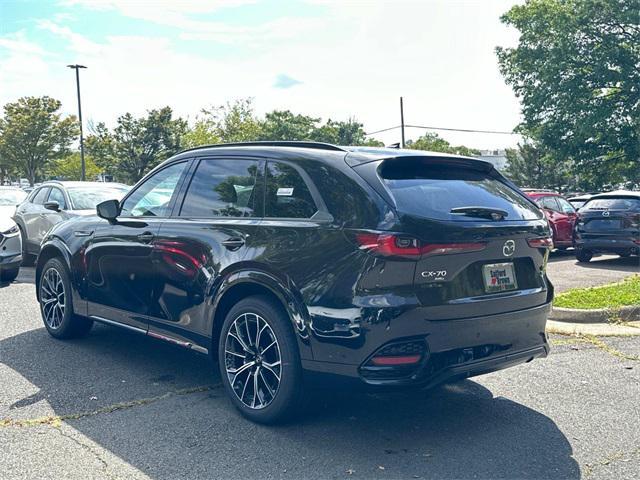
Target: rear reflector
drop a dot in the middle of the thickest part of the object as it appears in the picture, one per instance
(390, 245)
(406, 360)
(544, 242)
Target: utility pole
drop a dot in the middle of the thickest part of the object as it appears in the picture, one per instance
(77, 68)
(401, 122)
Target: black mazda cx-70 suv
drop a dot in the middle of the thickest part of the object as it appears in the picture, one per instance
(294, 263)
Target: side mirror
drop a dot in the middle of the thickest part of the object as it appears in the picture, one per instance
(52, 205)
(109, 210)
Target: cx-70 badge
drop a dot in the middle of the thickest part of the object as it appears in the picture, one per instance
(509, 248)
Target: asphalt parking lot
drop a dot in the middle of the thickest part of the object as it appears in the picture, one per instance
(119, 405)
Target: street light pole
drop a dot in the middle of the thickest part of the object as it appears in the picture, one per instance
(77, 68)
(402, 122)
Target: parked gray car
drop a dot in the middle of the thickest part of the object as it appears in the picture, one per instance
(55, 201)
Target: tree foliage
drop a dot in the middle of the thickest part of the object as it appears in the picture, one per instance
(531, 166)
(99, 145)
(33, 133)
(576, 70)
(70, 168)
(137, 145)
(432, 142)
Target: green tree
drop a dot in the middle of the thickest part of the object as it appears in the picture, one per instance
(283, 125)
(70, 168)
(100, 146)
(139, 144)
(33, 133)
(201, 133)
(531, 166)
(350, 132)
(576, 70)
(432, 142)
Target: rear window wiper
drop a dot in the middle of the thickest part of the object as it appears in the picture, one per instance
(482, 212)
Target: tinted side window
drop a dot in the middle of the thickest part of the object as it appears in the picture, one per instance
(40, 196)
(565, 206)
(56, 195)
(152, 198)
(224, 188)
(287, 194)
(550, 203)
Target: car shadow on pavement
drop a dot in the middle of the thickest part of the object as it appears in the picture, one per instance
(605, 262)
(455, 431)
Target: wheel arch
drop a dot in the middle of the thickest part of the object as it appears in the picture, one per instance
(53, 249)
(242, 284)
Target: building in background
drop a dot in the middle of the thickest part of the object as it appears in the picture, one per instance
(497, 157)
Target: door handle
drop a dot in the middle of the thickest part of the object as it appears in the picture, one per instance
(146, 237)
(233, 243)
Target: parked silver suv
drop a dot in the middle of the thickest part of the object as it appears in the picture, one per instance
(55, 201)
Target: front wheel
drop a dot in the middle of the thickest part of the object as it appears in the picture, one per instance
(259, 361)
(584, 256)
(56, 303)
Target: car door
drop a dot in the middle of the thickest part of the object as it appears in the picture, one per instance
(33, 215)
(51, 217)
(568, 218)
(213, 227)
(120, 272)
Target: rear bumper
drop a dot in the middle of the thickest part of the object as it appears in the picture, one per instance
(618, 244)
(452, 350)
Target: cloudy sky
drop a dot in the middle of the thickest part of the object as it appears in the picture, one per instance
(332, 59)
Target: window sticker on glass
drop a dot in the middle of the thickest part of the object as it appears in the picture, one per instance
(285, 192)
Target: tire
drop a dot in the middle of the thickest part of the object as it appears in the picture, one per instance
(28, 259)
(9, 274)
(584, 256)
(625, 254)
(56, 303)
(279, 394)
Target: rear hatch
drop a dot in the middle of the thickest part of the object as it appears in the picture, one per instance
(479, 246)
(610, 217)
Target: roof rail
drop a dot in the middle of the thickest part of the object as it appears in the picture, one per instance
(316, 145)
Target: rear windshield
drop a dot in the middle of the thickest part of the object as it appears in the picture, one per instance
(620, 203)
(432, 191)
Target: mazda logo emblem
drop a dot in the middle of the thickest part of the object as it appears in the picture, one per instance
(605, 214)
(509, 248)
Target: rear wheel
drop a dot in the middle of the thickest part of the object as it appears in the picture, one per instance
(259, 361)
(9, 274)
(56, 303)
(584, 256)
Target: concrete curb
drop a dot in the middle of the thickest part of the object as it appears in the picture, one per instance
(597, 329)
(598, 315)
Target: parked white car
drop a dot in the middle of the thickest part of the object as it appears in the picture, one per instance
(10, 249)
(10, 241)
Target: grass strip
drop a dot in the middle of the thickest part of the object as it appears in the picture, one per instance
(615, 295)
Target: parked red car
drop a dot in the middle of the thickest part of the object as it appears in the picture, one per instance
(560, 213)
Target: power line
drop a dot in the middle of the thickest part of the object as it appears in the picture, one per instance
(383, 130)
(467, 130)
